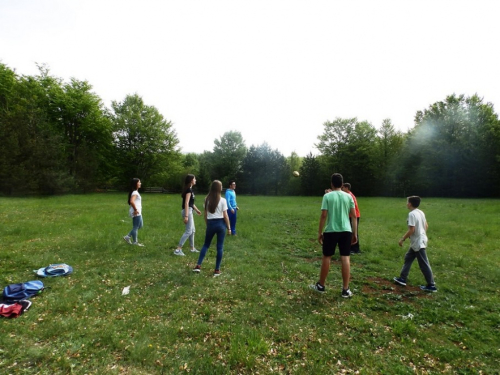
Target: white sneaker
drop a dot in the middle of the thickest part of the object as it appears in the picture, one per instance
(195, 251)
(138, 244)
(179, 252)
(127, 240)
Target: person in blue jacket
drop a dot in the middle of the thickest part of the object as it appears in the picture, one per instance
(232, 206)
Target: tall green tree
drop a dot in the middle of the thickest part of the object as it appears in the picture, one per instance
(146, 143)
(454, 149)
(34, 162)
(389, 144)
(265, 171)
(311, 177)
(81, 118)
(228, 154)
(349, 148)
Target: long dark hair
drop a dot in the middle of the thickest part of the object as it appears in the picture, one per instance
(133, 187)
(187, 184)
(213, 198)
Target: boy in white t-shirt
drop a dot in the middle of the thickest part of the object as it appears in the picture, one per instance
(417, 233)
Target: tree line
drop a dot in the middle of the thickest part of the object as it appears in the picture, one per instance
(58, 137)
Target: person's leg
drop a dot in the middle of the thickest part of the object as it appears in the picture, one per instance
(232, 220)
(191, 237)
(188, 232)
(344, 240)
(409, 258)
(209, 234)
(221, 234)
(136, 223)
(425, 266)
(346, 271)
(325, 268)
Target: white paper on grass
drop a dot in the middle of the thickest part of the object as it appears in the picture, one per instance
(126, 290)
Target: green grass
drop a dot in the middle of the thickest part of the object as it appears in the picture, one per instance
(259, 316)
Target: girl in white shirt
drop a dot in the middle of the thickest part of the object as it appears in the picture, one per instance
(217, 223)
(135, 212)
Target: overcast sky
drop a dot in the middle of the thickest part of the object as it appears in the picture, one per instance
(273, 70)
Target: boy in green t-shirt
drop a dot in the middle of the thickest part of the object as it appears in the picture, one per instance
(336, 209)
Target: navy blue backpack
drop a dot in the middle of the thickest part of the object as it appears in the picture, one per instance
(18, 292)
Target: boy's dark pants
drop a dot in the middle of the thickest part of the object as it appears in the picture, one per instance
(423, 263)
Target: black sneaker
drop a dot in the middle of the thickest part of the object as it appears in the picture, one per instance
(400, 281)
(317, 287)
(346, 293)
(197, 269)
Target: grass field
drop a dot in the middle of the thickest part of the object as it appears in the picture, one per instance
(258, 317)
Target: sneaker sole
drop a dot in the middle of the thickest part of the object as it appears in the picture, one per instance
(197, 270)
(181, 255)
(127, 241)
(399, 282)
(348, 296)
(217, 274)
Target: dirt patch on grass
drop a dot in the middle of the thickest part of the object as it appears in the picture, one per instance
(378, 285)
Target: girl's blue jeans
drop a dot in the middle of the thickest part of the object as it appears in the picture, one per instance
(214, 227)
(136, 225)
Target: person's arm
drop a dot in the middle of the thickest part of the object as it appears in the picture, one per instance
(132, 203)
(354, 224)
(408, 234)
(226, 219)
(229, 201)
(186, 207)
(205, 213)
(322, 221)
(196, 209)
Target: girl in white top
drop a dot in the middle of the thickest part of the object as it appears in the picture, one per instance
(135, 212)
(217, 222)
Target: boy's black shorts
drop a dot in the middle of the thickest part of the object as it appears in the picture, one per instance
(331, 239)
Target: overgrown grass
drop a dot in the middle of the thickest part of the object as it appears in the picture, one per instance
(259, 316)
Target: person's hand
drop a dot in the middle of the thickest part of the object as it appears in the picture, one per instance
(232, 210)
(198, 212)
(186, 219)
(401, 242)
(328, 191)
(320, 238)
(354, 239)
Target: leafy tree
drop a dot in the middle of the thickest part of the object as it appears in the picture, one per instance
(80, 117)
(228, 154)
(265, 171)
(146, 144)
(35, 161)
(454, 149)
(389, 143)
(349, 148)
(311, 177)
